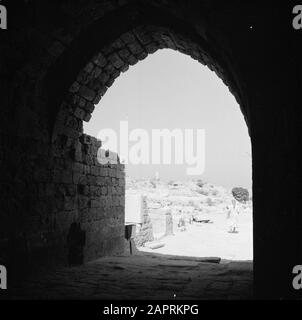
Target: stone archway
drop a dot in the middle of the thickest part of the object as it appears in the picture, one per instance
(106, 196)
(100, 72)
(43, 58)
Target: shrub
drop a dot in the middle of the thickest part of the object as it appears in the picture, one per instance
(240, 194)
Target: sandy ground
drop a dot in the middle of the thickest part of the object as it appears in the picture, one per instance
(208, 240)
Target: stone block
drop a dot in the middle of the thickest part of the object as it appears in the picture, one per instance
(89, 67)
(128, 37)
(135, 48)
(69, 203)
(87, 93)
(95, 203)
(80, 113)
(104, 191)
(74, 87)
(116, 60)
(100, 60)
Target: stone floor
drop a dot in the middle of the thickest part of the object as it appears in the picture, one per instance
(143, 276)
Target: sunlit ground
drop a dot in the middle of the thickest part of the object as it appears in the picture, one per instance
(205, 240)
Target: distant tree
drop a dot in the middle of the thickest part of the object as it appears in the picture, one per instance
(240, 194)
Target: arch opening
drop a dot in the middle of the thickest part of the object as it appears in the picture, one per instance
(97, 203)
(171, 95)
(100, 72)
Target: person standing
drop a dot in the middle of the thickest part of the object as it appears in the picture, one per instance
(182, 223)
(240, 196)
(233, 216)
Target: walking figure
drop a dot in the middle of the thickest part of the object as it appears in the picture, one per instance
(240, 196)
(182, 223)
(233, 216)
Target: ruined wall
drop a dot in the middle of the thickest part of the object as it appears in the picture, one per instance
(145, 231)
(92, 194)
(54, 188)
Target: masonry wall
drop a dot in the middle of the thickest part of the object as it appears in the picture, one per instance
(54, 188)
(93, 195)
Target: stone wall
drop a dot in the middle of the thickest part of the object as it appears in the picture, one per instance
(96, 199)
(62, 185)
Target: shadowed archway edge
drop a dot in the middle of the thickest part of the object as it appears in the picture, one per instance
(66, 68)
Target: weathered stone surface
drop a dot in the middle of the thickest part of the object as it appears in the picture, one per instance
(87, 93)
(116, 60)
(146, 231)
(152, 276)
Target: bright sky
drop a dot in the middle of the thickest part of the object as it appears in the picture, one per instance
(171, 90)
